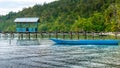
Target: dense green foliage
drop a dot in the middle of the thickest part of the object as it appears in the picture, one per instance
(70, 15)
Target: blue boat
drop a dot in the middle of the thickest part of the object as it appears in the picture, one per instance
(86, 42)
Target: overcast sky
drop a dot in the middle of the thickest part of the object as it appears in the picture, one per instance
(17, 5)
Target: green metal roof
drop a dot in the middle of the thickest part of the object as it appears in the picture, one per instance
(26, 20)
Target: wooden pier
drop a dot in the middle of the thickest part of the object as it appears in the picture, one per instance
(62, 35)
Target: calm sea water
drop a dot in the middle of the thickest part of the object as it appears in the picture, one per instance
(44, 54)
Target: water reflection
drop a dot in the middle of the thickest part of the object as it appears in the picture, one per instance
(27, 42)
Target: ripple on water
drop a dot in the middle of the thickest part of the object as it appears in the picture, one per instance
(47, 55)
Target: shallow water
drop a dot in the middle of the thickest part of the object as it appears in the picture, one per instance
(44, 54)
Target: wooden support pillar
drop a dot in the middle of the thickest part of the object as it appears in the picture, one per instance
(21, 35)
(63, 35)
(18, 35)
(11, 35)
(26, 34)
(85, 35)
(56, 34)
(71, 35)
(93, 35)
(78, 35)
(49, 34)
(41, 35)
(36, 35)
(100, 35)
(29, 35)
(116, 33)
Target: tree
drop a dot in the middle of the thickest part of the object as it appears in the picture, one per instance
(98, 22)
(82, 24)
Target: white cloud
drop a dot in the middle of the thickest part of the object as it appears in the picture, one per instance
(16, 5)
(4, 11)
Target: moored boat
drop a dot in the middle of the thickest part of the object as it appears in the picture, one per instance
(86, 42)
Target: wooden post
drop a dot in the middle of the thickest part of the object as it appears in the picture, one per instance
(49, 34)
(29, 35)
(21, 35)
(56, 34)
(26, 35)
(41, 35)
(78, 35)
(85, 34)
(63, 35)
(93, 35)
(116, 35)
(13, 35)
(36, 35)
(101, 35)
(10, 35)
(71, 35)
(18, 35)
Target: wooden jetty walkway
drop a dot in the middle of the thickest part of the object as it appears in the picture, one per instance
(63, 35)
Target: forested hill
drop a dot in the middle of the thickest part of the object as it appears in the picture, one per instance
(70, 15)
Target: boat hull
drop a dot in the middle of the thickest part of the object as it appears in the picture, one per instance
(86, 42)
